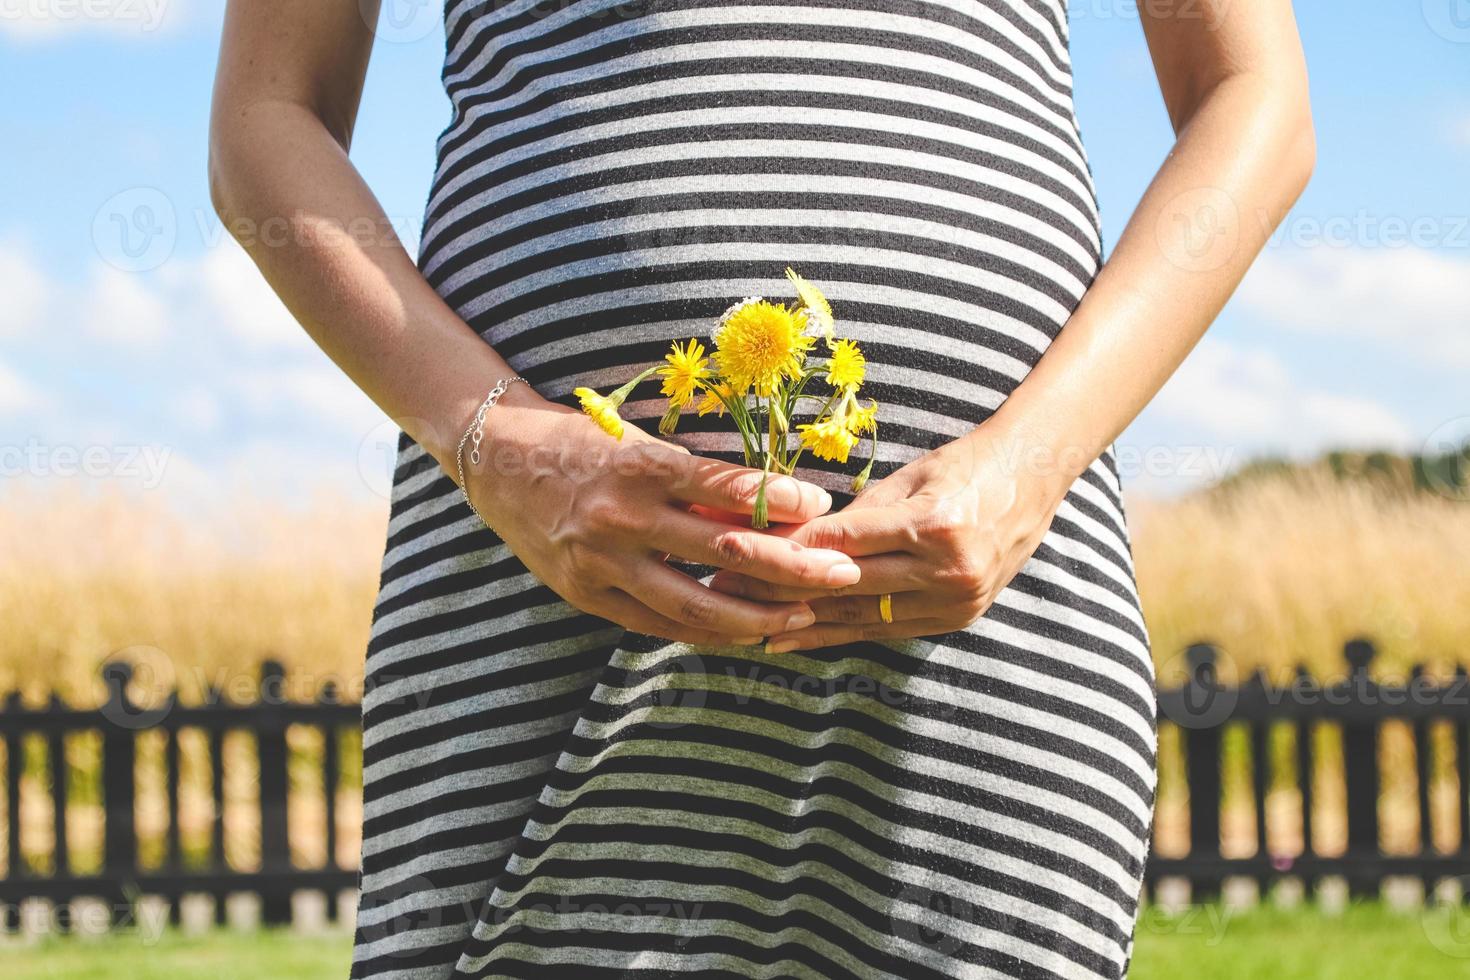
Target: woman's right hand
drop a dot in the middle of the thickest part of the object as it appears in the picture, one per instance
(596, 520)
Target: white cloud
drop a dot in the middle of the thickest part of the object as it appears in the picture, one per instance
(196, 408)
(270, 470)
(230, 294)
(1247, 399)
(121, 308)
(1412, 300)
(26, 292)
(46, 20)
(219, 297)
(314, 391)
(17, 395)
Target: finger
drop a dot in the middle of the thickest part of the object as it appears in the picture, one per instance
(754, 553)
(685, 600)
(861, 531)
(832, 634)
(720, 485)
(723, 516)
(621, 608)
(856, 610)
(896, 572)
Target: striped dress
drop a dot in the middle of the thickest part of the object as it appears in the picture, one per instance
(549, 795)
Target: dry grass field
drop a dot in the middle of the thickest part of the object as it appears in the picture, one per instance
(1284, 569)
(199, 599)
(1280, 570)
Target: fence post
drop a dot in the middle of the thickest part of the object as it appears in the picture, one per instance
(1306, 773)
(56, 750)
(1202, 765)
(1360, 764)
(331, 774)
(219, 863)
(1261, 770)
(14, 769)
(119, 753)
(275, 844)
(1423, 772)
(1462, 766)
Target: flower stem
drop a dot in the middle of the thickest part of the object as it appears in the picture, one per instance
(621, 395)
(759, 519)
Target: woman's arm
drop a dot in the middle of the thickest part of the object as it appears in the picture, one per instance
(286, 96)
(1235, 85)
(958, 523)
(285, 100)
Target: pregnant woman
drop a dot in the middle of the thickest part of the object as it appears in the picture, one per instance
(611, 730)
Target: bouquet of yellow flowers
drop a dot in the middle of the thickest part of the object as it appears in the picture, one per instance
(761, 369)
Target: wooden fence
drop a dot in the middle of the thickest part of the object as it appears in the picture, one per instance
(1202, 711)
(120, 722)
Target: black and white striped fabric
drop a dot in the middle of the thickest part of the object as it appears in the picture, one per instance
(550, 796)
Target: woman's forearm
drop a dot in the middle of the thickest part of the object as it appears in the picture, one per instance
(282, 183)
(1241, 160)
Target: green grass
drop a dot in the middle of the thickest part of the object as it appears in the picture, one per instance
(1366, 942)
(221, 955)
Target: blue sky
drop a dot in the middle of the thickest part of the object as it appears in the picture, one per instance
(170, 367)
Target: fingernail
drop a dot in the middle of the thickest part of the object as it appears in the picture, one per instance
(747, 641)
(800, 620)
(782, 646)
(844, 573)
(824, 499)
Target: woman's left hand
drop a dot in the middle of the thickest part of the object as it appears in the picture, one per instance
(943, 535)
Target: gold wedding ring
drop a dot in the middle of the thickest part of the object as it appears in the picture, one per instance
(885, 607)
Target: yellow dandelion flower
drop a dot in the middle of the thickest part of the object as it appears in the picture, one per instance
(828, 439)
(759, 344)
(819, 311)
(731, 311)
(669, 424)
(847, 367)
(711, 401)
(860, 420)
(602, 410)
(687, 367)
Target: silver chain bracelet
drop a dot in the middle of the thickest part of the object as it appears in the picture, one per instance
(475, 434)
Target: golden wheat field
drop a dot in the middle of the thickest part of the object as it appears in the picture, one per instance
(1278, 571)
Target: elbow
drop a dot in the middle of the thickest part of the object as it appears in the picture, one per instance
(1303, 154)
(1279, 114)
(218, 198)
(1297, 136)
(1287, 96)
(1298, 143)
(235, 136)
(220, 166)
